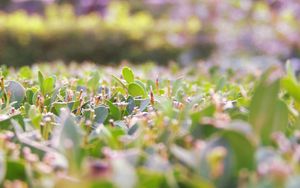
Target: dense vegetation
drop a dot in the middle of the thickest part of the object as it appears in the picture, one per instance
(226, 115)
(90, 126)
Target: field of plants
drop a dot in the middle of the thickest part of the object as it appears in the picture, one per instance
(146, 30)
(148, 126)
(149, 94)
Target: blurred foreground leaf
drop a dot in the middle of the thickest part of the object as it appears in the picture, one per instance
(267, 112)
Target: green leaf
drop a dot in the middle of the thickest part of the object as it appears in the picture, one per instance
(5, 124)
(35, 116)
(206, 112)
(267, 113)
(49, 85)
(289, 70)
(176, 85)
(133, 129)
(57, 106)
(239, 155)
(41, 81)
(102, 183)
(73, 105)
(136, 90)
(279, 121)
(93, 82)
(25, 72)
(101, 114)
(15, 170)
(202, 131)
(131, 105)
(139, 82)
(150, 179)
(70, 139)
(199, 130)
(114, 110)
(128, 74)
(221, 83)
(17, 92)
(4, 71)
(119, 81)
(243, 150)
(144, 103)
(29, 95)
(292, 87)
(290, 83)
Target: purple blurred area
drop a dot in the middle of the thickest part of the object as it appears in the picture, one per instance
(38, 6)
(88, 6)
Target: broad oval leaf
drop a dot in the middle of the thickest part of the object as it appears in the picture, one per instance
(136, 90)
(17, 92)
(128, 74)
(101, 113)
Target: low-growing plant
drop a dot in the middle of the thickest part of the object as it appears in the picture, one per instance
(90, 126)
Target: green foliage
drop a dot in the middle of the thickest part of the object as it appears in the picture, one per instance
(16, 92)
(86, 128)
(15, 170)
(47, 85)
(290, 83)
(25, 72)
(136, 90)
(101, 114)
(115, 112)
(93, 82)
(70, 138)
(267, 112)
(128, 74)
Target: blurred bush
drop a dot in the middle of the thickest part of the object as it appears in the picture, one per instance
(60, 34)
(107, 31)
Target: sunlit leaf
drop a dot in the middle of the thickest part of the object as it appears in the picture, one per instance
(128, 74)
(17, 92)
(136, 90)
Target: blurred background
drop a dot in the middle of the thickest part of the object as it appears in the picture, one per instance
(184, 31)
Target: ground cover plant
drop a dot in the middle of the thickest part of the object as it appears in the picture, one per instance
(148, 126)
